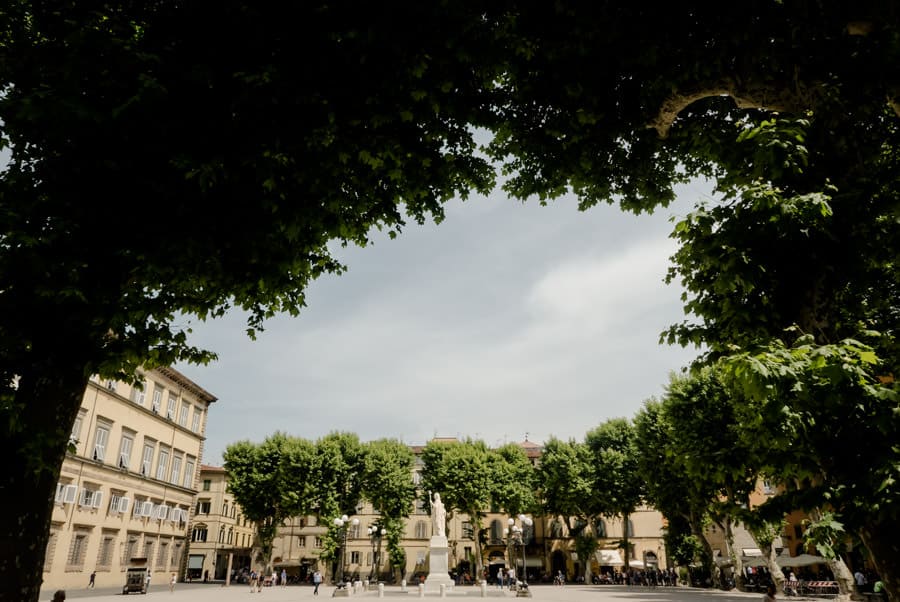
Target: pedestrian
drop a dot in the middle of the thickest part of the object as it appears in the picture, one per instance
(770, 593)
(283, 577)
(317, 581)
(93, 578)
(147, 581)
(172, 584)
(500, 575)
(59, 595)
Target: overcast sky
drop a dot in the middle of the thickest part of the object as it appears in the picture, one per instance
(505, 321)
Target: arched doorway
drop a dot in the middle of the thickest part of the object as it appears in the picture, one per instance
(558, 563)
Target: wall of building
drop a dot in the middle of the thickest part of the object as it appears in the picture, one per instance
(127, 491)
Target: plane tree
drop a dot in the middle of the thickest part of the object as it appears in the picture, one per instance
(388, 484)
(460, 472)
(271, 482)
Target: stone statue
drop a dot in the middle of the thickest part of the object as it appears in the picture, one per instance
(438, 514)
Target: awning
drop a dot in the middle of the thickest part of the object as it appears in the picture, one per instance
(801, 560)
(287, 563)
(636, 564)
(609, 557)
(530, 562)
(751, 552)
(195, 561)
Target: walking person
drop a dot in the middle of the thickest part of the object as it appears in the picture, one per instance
(770, 593)
(317, 581)
(283, 577)
(172, 584)
(93, 579)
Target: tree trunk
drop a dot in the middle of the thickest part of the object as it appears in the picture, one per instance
(883, 542)
(625, 542)
(737, 565)
(37, 424)
(774, 570)
(708, 560)
(838, 568)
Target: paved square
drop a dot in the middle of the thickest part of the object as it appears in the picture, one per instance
(198, 592)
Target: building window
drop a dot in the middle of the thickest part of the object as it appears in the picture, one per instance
(203, 506)
(163, 557)
(177, 551)
(147, 457)
(148, 551)
(188, 473)
(162, 464)
(301, 541)
(225, 509)
(206, 484)
(368, 558)
(138, 392)
(156, 404)
(172, 407)
(118, 503)
(176, 469)
(77, 549)
(195, 422)
(468, 532)
(125, 446)
(183, 415)
(75, 437)
(420, 507)
(600, 528)
(318, 541)
(129, 549)
(630, 528)
(222, 534)
(50, 550)
(110, 385)
(91, 497)
(101, 438)
(353, 532)
(199, 533)
(107, 545)
(230, 535)
(421, 530)
(354, 557)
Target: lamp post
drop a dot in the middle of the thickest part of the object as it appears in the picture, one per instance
(375, 534)
(518, 536)
(343, 523)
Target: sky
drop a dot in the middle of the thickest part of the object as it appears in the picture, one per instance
(507, 321)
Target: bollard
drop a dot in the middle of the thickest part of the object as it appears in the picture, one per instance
(403, 585)
(483, 588)
(421, 590)
(381, 590)
(443, 590)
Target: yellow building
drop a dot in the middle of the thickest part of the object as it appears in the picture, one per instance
(221, 536)
(127, 491)
(548, 546)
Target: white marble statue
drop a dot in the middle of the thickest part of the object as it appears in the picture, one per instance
(438, 514)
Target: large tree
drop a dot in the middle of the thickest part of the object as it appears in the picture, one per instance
(388, 484)
(271, 483)
(249, 137)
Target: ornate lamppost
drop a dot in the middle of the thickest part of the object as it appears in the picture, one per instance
(518, 536)
(375, 534)
(343, 523)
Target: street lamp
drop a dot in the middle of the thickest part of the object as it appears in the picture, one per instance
(343, 523)
(375, 534)
(518, 536)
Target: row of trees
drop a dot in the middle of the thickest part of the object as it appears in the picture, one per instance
(285, 476)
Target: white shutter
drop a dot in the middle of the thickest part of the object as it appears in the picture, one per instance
(162, 511)
(85, 498)
(113, 504)
(123, 504)
(148, 509)
(60, 491)
(71, 494)
(98, 499)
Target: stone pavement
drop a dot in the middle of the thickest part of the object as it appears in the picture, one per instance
(199, 592)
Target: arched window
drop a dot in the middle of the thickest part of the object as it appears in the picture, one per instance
(225, 509)
(421, 530)
(600, 528)
(630, 528)
(222, 534)
(556, 529)
(230, 535)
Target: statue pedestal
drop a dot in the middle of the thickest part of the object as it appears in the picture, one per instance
(438, 569)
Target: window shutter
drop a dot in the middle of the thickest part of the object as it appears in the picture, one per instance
(123, 504)
(83, 500)
(148, 508)
(60, 493)
(98, 499)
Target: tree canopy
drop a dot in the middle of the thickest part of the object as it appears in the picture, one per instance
(247, 138)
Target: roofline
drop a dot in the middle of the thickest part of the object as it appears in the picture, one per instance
(187, 383)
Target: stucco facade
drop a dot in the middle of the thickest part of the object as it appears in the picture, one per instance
(127, 490)
(221, 536)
